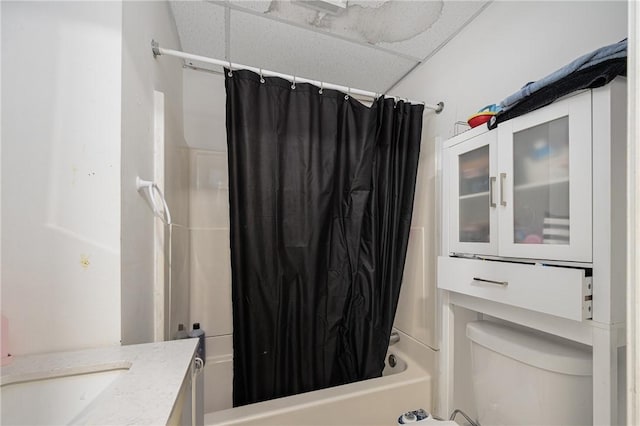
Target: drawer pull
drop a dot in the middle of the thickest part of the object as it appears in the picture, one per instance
(482, 280)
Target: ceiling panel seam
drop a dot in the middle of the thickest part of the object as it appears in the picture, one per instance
(458, 31)
(444, 43)
(223, 3)
(401, 78)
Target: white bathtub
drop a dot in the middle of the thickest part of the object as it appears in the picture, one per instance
(371, 402)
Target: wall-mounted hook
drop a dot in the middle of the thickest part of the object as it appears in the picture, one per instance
(155, 48)
(151, 188)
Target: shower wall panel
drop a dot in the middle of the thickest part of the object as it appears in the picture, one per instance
(210, 268)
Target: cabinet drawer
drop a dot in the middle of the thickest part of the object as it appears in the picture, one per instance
(551, 290)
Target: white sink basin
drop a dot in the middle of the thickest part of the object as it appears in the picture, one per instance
(53, 401)
(144, 384)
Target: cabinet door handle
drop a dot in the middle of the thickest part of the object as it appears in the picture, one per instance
(492, 182)
(482, 280)
(503, 176)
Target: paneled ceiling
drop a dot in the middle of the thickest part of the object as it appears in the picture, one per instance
(369, 45)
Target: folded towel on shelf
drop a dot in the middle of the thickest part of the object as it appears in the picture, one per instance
(606, 53)
(587, 78)
(555, 230)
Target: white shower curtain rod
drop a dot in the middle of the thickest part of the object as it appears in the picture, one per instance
(157, 51)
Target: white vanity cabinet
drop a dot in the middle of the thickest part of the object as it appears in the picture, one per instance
(524, 189)
(534, 232)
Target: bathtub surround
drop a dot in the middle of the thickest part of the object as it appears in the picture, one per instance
(210, 264)
(321, 196)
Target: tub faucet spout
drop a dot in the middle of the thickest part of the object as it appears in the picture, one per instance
(395, 338)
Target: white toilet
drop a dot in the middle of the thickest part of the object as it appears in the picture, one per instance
(521, 377)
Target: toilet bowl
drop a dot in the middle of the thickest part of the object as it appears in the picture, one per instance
(524, 377)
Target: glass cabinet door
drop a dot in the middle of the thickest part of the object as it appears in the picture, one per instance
(541, 184)
(545, 193)
(472, 197)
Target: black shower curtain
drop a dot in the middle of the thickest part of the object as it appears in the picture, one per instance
(321, 193)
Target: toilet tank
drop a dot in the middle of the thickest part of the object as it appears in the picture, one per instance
(523, 377)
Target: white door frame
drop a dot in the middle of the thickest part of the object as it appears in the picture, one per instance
(159, 262)
(633, 242)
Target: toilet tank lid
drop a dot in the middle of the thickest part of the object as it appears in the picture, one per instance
(532, 348)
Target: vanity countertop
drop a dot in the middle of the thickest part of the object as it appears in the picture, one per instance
(144, 395)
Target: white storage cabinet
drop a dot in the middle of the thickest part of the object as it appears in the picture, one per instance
(534, 228)
(524, 190)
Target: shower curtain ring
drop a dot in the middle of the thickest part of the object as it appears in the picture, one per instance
(230, 73)
(293, 86)
(261, 77)
(321, 87)
(346, 97)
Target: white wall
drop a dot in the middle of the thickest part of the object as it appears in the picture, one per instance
(507, 45)
(61, 110)
(141, 75)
